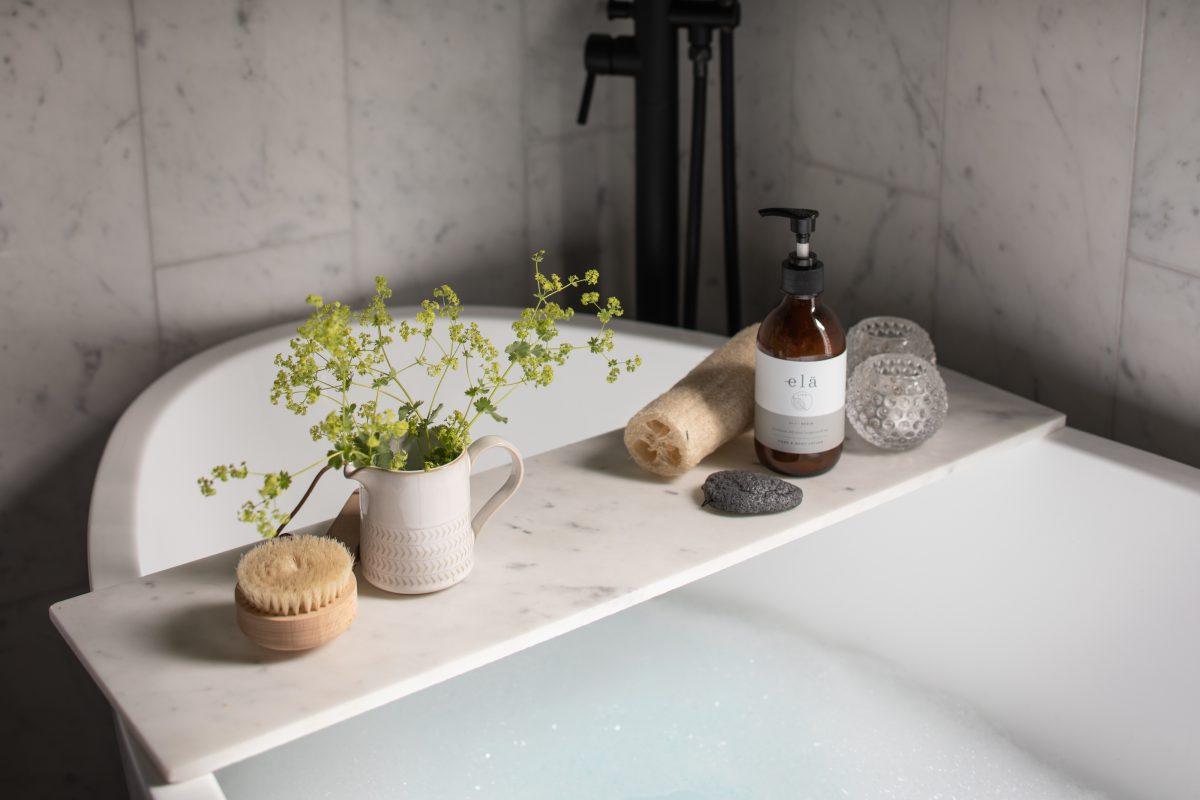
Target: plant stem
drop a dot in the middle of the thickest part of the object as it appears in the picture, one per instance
(394, 372)
(492, 393)
(445, 370)
(303, 499)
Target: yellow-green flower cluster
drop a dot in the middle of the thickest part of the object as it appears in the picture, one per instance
(339, 351)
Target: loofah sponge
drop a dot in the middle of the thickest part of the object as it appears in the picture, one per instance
(711, 405)
(295, 574)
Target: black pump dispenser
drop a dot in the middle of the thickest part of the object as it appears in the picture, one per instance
(803, 273)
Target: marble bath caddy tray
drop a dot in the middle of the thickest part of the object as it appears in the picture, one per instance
(587, 535)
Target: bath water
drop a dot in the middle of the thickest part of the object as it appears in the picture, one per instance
(680, 698)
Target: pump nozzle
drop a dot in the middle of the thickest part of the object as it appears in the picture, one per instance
(804, 220)
(803, 272)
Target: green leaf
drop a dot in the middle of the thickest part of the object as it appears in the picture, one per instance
(518, 350)
(484, 406)
(382, 457)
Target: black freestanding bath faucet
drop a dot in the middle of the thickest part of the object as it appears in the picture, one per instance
(651, 57)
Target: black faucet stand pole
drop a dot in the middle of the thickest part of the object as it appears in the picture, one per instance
(657, 158)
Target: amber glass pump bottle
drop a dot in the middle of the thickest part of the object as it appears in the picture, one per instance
(800, 366)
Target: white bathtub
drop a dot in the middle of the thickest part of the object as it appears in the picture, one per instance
(1026, 627)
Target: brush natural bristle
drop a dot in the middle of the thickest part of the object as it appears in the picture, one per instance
(295, 575)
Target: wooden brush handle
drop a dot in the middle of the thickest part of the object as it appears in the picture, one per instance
(297, 631)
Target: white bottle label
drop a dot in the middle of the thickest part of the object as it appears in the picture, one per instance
(799, 406)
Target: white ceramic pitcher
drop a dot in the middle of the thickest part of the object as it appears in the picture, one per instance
(417, 534)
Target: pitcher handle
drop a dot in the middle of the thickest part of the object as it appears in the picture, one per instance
(515, 476)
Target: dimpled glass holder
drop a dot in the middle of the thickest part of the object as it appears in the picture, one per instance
(875, 335)
(896, 401)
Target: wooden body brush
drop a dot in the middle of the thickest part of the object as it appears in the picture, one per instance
(296, 592)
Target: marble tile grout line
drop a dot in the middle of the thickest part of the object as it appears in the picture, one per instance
(937, 231)
(850, 172)
(347, 108)
(524, 76)
(145, 165)
(316, 237)
(1167, 265)
(1137, 111)
(577, 133)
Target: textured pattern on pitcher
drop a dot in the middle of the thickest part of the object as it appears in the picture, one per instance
(417, 558)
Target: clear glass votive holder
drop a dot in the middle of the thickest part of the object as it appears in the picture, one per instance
(875, 335)
(896, 401)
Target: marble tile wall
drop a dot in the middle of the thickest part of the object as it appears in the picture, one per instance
(1040, 117)
(1165, 221)
(1158, 375)
(435, 114)
(247, 161)
(578, 179)
(193, 318)
(73, 238)
(78, 341)
(243, 113)
(1023, 177)
(865, 132)
(763, 77)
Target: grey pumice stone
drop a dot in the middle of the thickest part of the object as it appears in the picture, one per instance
(740, 491)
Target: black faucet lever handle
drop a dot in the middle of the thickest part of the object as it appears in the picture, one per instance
(585, 103)
(606, 55)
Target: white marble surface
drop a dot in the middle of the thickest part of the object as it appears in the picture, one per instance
(878, 244)
(78, 332)
(1165, 220)
(587, 536)
(436, 130)
(1035, 197)
(207, 302)
(868, 88)
(1159, 377)
(244, 114)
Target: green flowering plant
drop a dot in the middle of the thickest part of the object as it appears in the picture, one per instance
(339, 351)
